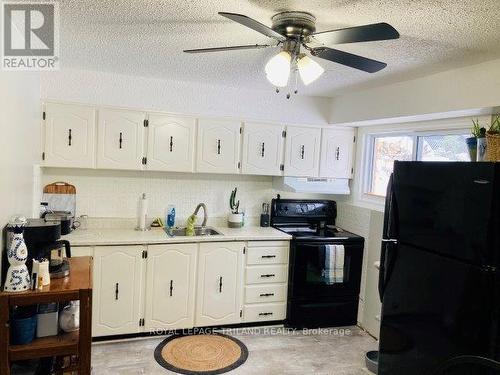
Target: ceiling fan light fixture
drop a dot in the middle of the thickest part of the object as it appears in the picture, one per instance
(278, 69)
(309, 69)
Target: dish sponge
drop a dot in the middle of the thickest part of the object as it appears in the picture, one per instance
(190, 225)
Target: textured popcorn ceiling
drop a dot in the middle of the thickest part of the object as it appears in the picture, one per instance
(146, 38)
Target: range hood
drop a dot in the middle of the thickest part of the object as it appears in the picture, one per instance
(337, 186)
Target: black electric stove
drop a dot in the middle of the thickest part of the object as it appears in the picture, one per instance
(318, 296)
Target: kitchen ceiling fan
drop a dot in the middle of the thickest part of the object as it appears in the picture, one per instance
(293, 30)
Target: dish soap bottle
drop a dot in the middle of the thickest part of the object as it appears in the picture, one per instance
(170, 219)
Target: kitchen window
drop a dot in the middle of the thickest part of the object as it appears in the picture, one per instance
(384, 149)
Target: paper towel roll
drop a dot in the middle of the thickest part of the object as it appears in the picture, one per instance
(143, 212)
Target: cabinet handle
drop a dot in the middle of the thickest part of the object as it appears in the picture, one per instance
(116, 291)
(337, 153)
(263, 149)
(265, 313)
(218, 147)
(171, 287)
(267, 294)
(171, 143)
(69, 137)
(268, 275)
(121, 139)
(268, 256)
(220, 284)
(302, 151)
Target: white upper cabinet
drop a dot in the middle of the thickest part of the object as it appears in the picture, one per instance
(218, 146)
(337, 147)
(69, 134)
(171, 142)
(120, 139)
(220, 283)
(302, 151)
(170, 286)
(262, 149)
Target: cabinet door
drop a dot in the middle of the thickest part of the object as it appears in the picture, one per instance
(117, 289)
(120, 139)
(337, 147)
(262, 149)
(302, 151)
(171, 143)
(69, 136)
(170, 286)
(220, 283)
(218, 146)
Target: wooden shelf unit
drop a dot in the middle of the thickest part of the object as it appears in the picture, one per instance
(78, 286)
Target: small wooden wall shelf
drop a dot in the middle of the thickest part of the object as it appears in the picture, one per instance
(78, 286)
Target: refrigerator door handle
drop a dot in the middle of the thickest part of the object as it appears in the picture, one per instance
(387, 260)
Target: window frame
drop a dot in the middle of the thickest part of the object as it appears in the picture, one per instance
(365, 151)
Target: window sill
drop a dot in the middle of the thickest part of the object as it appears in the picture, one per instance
(371, 201)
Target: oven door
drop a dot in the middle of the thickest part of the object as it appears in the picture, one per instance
(311, 276)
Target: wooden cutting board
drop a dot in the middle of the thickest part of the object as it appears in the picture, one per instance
(59, 188)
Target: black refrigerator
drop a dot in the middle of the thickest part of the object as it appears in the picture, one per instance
(439, 279)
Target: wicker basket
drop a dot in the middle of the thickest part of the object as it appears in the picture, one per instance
(492, 147)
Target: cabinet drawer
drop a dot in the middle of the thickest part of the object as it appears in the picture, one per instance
(267, 255)
(264, 312)
(268, 243)
(265, 293)
(266, 274)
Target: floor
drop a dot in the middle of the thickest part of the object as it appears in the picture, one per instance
(271, 351)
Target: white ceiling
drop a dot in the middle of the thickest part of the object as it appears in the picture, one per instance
(146, 38)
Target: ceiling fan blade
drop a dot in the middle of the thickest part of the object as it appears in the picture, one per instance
(231, 48)
(345, 58)
(366, 33)
(254, 25)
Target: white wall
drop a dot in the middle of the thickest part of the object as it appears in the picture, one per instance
(182, 97)
(469, 88)
(19, 143)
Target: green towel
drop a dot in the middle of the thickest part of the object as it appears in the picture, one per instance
(190, 225)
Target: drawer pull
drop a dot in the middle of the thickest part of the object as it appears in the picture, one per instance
(117, 291)
(220, 284)
(268, 256)
(267, 294)
(265, 314)
(171, 287)
(268, 275)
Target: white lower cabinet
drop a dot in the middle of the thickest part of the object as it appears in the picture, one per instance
(266, 281)
(181, 286)
(170, 286)
(220, 283)
(265, 293)
(117, 290)
(264, 312)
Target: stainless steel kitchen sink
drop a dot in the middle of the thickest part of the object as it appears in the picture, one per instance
(198, 231)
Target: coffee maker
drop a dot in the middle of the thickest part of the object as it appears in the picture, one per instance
(42, 239)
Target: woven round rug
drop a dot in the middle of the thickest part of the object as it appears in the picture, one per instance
(205, 354)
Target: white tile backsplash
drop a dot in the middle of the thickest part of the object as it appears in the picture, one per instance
(115, 194)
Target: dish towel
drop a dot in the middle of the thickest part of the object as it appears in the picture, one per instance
(333, 272)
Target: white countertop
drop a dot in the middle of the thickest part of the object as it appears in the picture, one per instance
(127, 236)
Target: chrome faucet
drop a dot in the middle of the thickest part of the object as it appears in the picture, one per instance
(205, 216)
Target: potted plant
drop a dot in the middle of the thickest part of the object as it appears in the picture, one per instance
(493, 140)
(479, 133)
(235, 218)
(472, 141)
